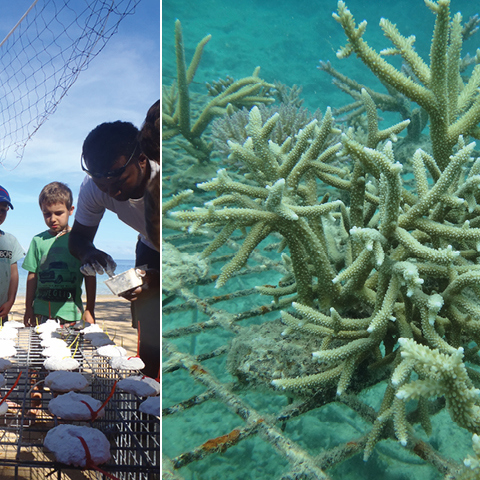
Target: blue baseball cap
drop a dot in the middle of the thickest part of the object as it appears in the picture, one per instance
(5, 197)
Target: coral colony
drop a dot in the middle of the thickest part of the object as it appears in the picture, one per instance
(386, 277)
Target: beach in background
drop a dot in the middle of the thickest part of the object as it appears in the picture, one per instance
(102, 289)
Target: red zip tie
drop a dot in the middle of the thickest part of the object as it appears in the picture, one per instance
(110, 396)
(95, 413)
(92, 411)
(89, 462)
(88, 457)
(13, 386)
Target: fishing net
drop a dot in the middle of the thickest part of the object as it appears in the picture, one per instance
(42, 57)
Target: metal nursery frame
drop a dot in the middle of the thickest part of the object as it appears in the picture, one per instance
(134, 437)
(302, 465)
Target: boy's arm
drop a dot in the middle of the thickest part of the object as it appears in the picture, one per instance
(12, 291)
(91, 291)
(29, 317)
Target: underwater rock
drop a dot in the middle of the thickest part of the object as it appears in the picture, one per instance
(260, 354)
(179, 268)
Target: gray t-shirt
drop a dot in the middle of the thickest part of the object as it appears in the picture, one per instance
(10, 252)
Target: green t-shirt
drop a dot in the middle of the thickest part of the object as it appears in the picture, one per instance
(59, 281)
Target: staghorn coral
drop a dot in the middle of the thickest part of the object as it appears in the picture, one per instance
(411, 270)
(473, 463)
(279, 202)
(170, 204)
(288, 95)
(393, 101)
(439, 374)
(232, 127)
(452, 105)
(176, 118)
(400, 293)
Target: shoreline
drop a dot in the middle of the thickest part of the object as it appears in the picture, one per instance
(112, 313)
(102, 297)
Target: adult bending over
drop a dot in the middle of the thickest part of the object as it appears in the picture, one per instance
(117, 176)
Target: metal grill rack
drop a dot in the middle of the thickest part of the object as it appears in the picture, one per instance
(258, 427)
(133, 436)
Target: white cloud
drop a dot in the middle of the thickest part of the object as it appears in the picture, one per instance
(120, 84)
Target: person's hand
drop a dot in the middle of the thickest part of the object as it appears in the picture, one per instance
(151, 281)
(29, 317)
(97, 262)
(5, 309)
(88, 317)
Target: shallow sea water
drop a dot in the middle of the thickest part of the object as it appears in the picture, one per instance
(102, 289)
(287, 39)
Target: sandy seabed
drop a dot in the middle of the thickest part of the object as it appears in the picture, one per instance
(111, 313)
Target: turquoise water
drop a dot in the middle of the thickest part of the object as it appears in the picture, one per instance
(287, 39)
(102, 289)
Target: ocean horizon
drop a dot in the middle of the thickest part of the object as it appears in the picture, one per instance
(102, 289)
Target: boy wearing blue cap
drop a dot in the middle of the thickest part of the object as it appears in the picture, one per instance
(10, 252)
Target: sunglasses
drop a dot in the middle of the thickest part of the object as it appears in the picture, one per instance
(112, 174)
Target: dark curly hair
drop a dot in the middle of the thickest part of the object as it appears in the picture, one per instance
(107, 142)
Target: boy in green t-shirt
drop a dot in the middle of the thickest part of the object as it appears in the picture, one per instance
(54, 282)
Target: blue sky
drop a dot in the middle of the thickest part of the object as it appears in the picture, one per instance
(119, 84)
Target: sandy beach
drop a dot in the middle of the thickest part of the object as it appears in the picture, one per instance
(111, 313)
